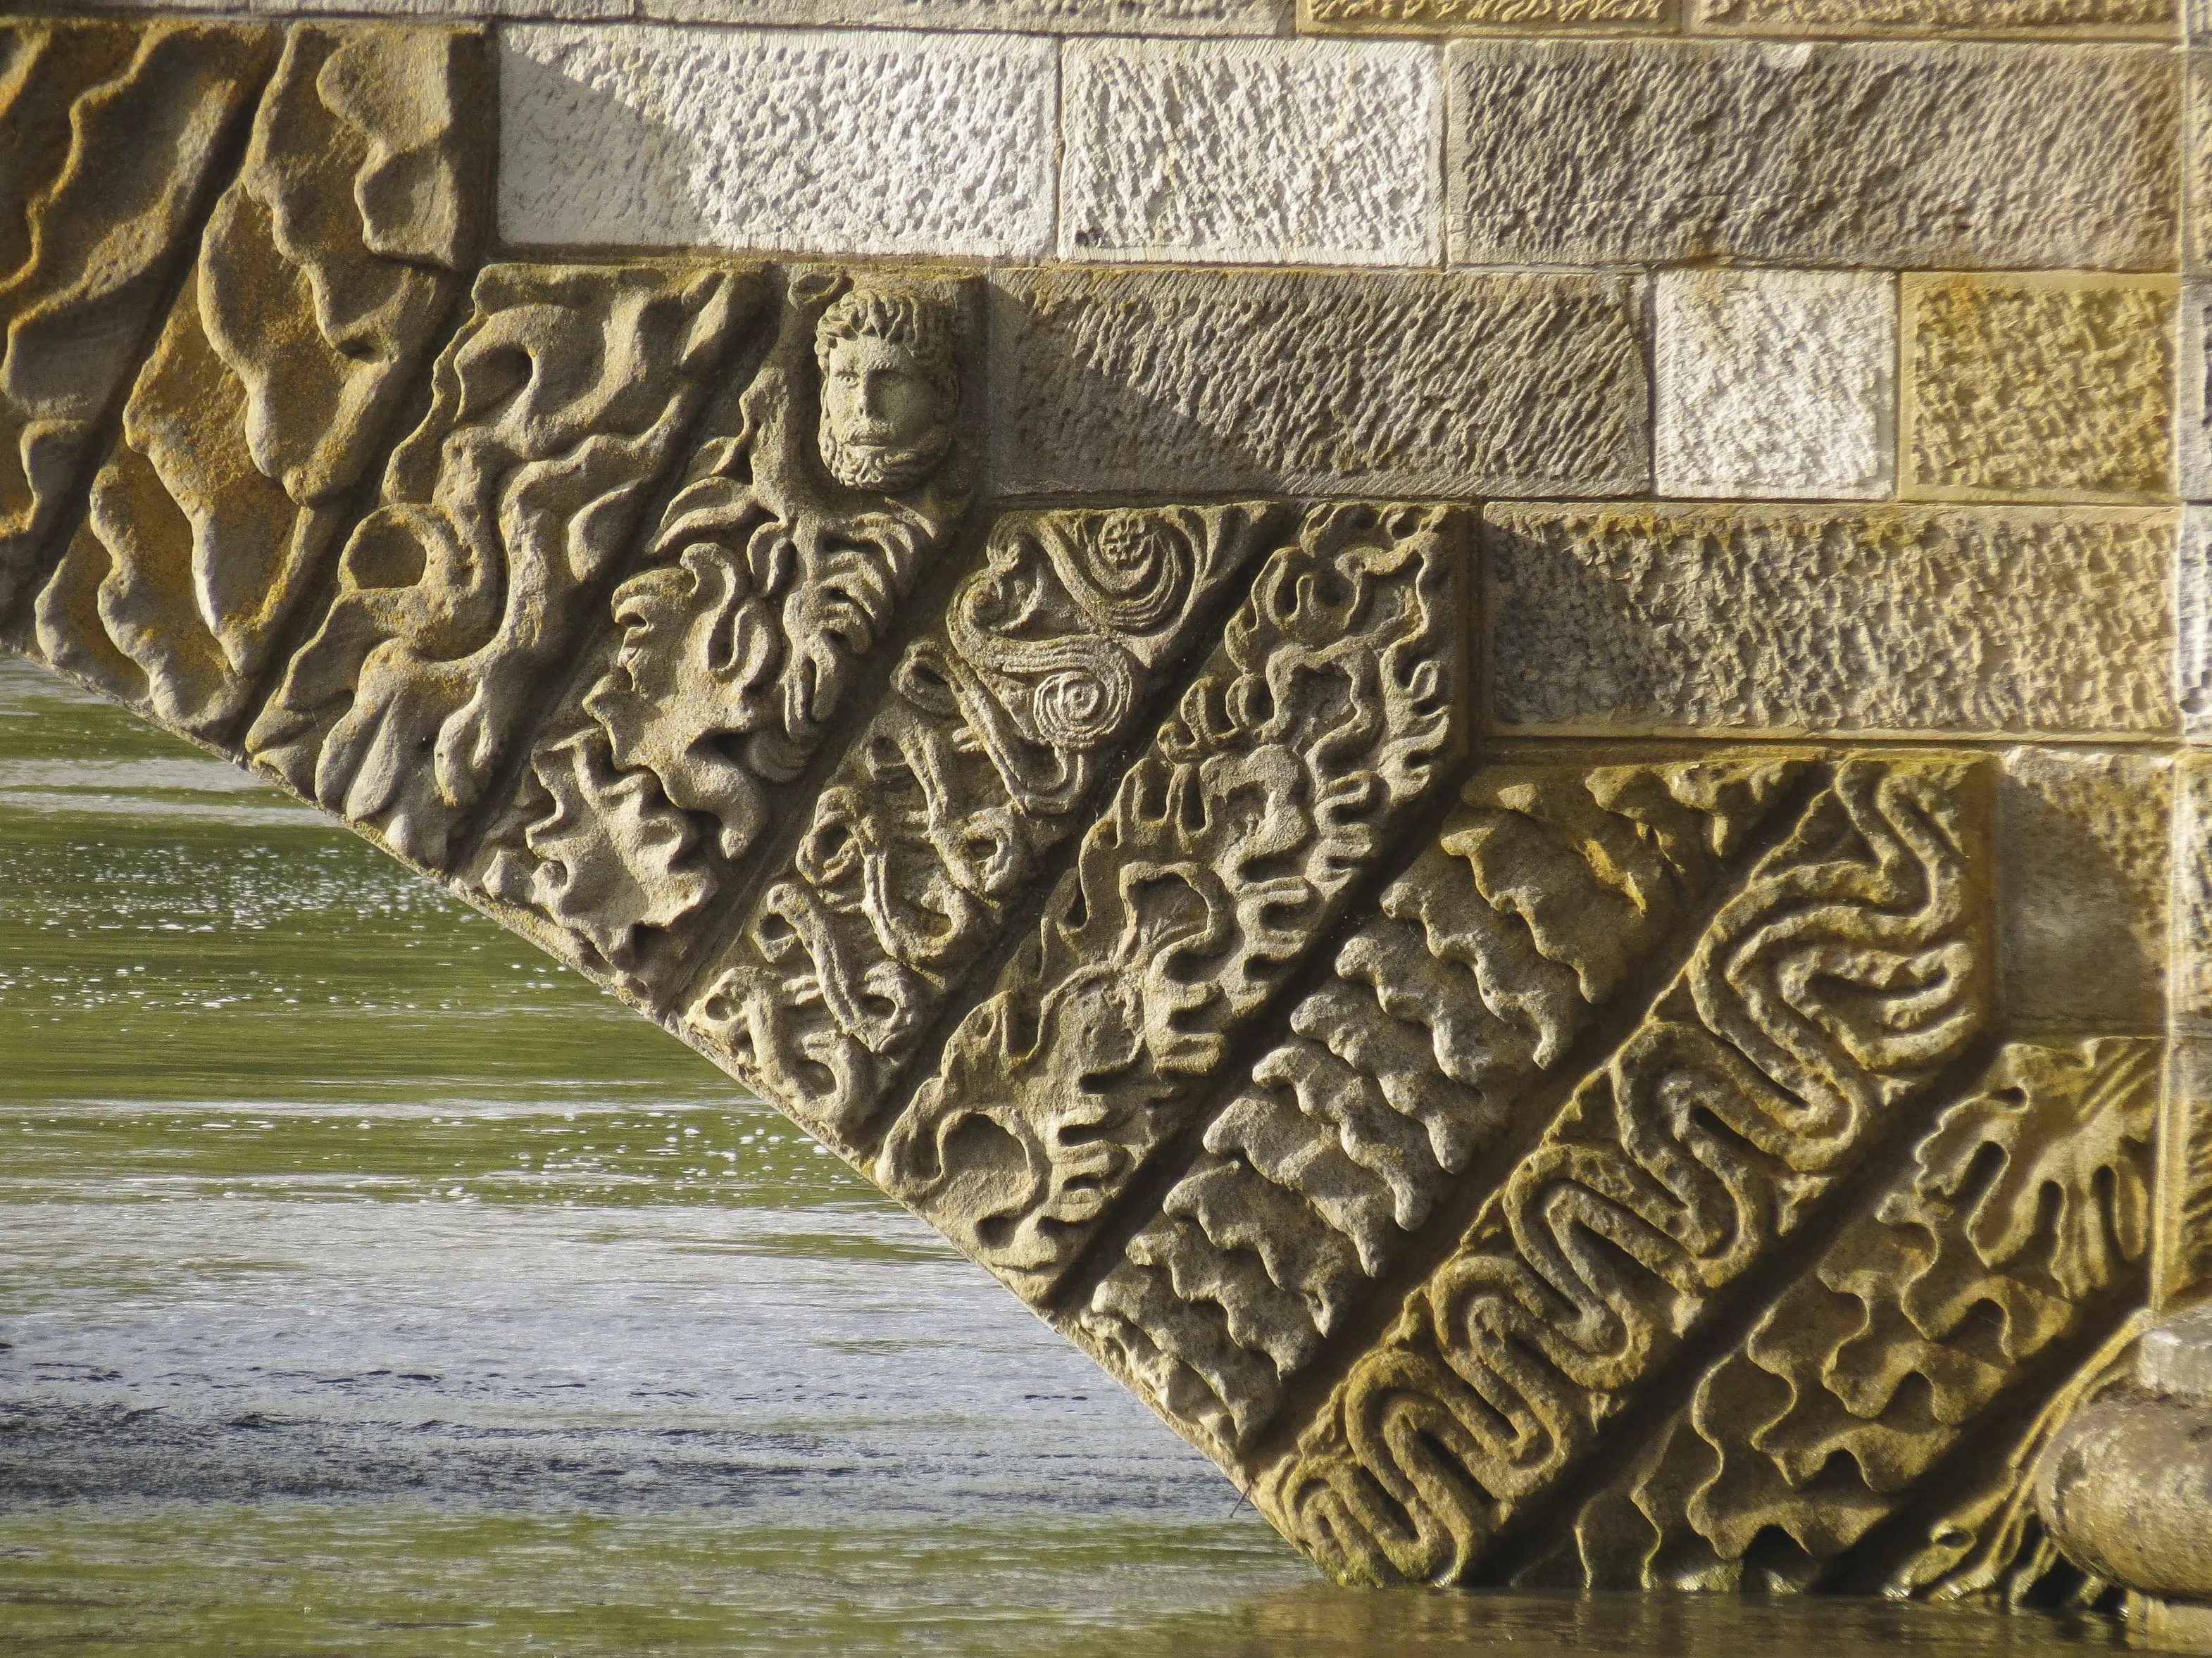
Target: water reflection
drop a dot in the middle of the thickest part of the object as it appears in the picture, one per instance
(369, 1286)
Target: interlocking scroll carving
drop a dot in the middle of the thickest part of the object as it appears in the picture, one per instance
(774, 573)
(1290, 766)
(1491, 954)
(2024, 1216)
(1001, 723)
(554, 411)
(324, 270)
(111, 136)
(1827, 993)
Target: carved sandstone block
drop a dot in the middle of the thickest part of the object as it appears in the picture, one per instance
(822, 143)
(1319, 384)
(555, 411)
(1292, 764)
(1775, 383)
(1824, 999)
(1447, 16)
(1552, 885)
(108, 133)
(1001, 724)
(814, 502)
(1149, 17)
(324, 273)
(2082, 838)
(2038, 387)
(1895, 155)
(1249, 152)
(2027, 621)
(2184, 1264)
(2149, 20)
(2019, 1227)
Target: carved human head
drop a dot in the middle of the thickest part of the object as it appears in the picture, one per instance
(889, 389)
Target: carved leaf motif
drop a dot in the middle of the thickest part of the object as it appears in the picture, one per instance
(1823, 994)
(1402, 1069)
(553, 411)
(1289, 763)
(1874, 1363)
(268, 397)
(944, 804)
(111, 127)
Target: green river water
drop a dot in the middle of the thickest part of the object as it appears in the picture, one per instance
(370, 1285)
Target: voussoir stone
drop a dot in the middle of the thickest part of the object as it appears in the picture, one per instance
(826, 142)
(1895, 153)
(2029, 621)
(2130, 18)
(111, 134)
(1426, 384)
(2038, 387)
(1775, 383)
(1251, 151)
(1023, 16)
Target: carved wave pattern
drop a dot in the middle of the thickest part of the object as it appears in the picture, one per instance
(110, 129)
(1290, 766)
(1000, 724)
(766, 587)
(1825, 994)
(2025, 1209)
(325, 271)
(554, 410)
(1492, 952)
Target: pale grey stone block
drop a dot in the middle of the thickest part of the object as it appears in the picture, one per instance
(2192, 615)
(1889, 154)
(1777, 620)
(2176, 1357)
(834, 141)
(1319, 383)
(1776, 383)
(1322, 151)
(1013, 16)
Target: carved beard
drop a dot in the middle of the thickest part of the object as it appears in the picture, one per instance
(863, 465)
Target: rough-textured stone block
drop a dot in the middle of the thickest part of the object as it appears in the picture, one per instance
(325, 273)
(2081, 887)
(1775, 383)
(1445, 16)
(1015, 17)
(1319, 384)
(2192, 617)
(566, 11)
(2128, 19)
(853, 142)
(1895, 155)
(2196, 164)
(2191, 969)
(2031, 621)
(107, 135)
(554, 412)
(2193, 423)
(1306, 152)
(2038, 388)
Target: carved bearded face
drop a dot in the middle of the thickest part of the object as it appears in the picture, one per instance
(887, 390)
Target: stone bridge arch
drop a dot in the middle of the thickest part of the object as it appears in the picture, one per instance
(1501, 798)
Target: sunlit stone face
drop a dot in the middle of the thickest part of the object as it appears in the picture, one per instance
(883, 421)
